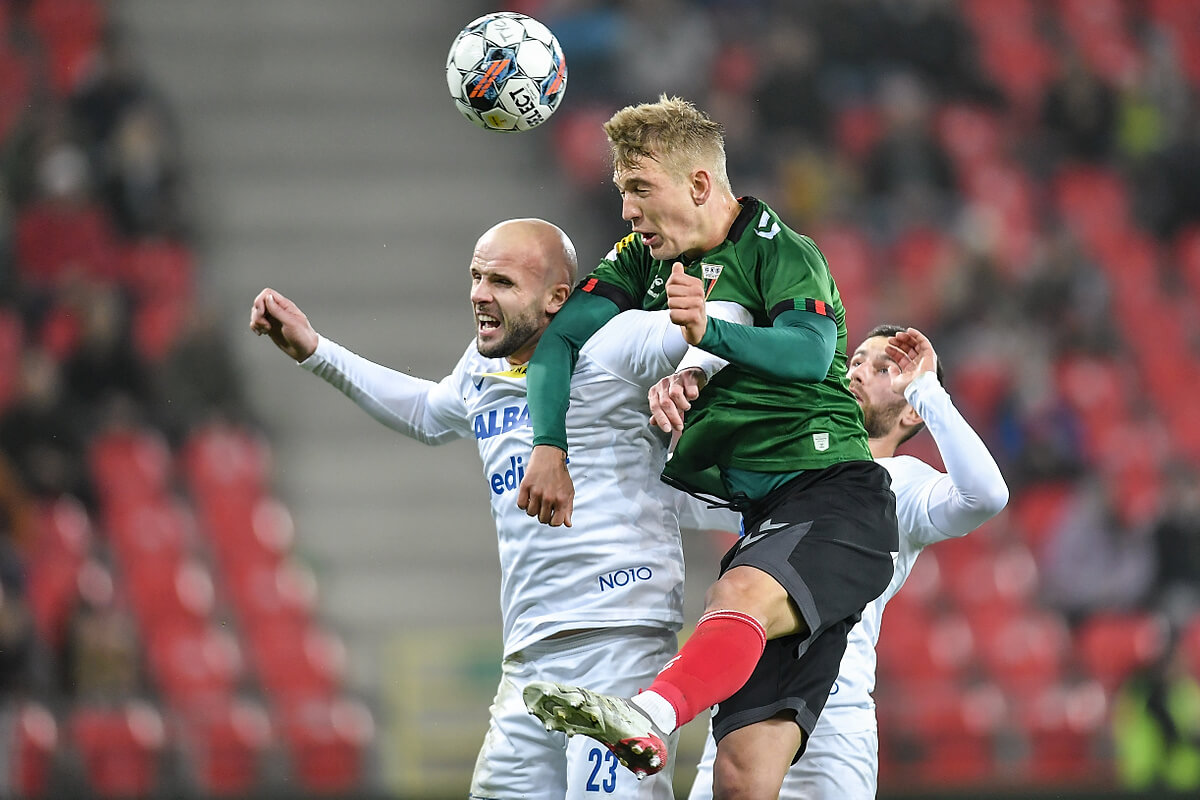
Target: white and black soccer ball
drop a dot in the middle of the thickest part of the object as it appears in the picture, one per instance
(506, 72)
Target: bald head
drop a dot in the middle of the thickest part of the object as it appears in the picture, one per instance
(538, 246)
(521, 274)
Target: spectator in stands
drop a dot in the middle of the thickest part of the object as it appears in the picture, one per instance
(101, 650)
(42, 435)
(1079, 113)
(114, 85)
(1172, 190)
(105, 362)
(908, 174)
(16, 623)
(666, 45)
(141, 176)
(64, 234)
(1156, 727)
(1099, 558)
(199, 378)
(1177, 542)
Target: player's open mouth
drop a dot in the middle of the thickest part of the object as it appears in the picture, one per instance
(649, 239)
(486, 322)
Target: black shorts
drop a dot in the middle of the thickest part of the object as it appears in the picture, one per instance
(827, 537)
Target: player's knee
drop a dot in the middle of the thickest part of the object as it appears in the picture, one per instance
(733, 781)
(756, 593)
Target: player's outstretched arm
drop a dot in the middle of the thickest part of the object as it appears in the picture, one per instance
(673, 395)
(546, 491)
(973, 490)
(282, 320)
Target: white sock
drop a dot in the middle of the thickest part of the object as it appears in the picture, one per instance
(656, 707)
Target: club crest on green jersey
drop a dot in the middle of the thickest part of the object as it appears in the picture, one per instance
(710, 273)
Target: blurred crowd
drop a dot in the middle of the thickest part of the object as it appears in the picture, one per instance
(1020, 180)
(115, 652)
(101, 324)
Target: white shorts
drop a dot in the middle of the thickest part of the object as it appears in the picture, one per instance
(835, 766)
(521, 759)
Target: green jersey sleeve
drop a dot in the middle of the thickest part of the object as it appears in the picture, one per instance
(799, 345)
(548, 379)
(624, 279)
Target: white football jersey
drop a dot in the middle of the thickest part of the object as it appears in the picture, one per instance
(931, 506)
(842, 756)
(621, 562)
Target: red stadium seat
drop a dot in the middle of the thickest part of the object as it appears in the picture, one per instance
(1022, 650)
(12, 343)
(1100, 32)
(71, 32)
(1092, 200)
(327, 740)
(1187, 257)
(970, 134)
(34, 743)
(853, 262)
(1022, 65)
(297, 660)
(223, 744)
(943, 735)
(53, 243)
(273, 593)
(980, 577)
(221, 458)
(1003, 194)
(857, 129)
(1064, 729)
(1035, 511)
(990, 18)
(158, 270)
(152, 531)
(119, 748)
(583, 157)
(194, 667)
(177, 593)
(64, 540)
(16, 83)
(1112, 646)
(130, 465)
(915, 648)
(1189, 643)
(158, 326)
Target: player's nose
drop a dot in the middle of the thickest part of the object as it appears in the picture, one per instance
(629, 209)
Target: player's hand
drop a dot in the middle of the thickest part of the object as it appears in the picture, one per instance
(685, 298)
(914, 356)
(672, 396)
(282, 320)
(546, 491)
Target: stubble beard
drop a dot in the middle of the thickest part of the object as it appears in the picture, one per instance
(517, 332)
(879, 420)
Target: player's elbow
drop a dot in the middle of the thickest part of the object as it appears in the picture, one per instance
(994, 498)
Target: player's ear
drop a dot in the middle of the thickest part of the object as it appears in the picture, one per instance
(910, 417)
(701, 186)
(556, 296)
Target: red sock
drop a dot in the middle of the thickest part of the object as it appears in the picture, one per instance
(715, 661)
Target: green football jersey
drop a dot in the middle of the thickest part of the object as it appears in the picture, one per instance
(745, 420)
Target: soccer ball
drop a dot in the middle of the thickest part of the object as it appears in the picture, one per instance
(506, 72)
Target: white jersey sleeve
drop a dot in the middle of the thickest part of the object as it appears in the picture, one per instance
(432, 413)
(710, 364)
(970, 493)
(931, 506)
